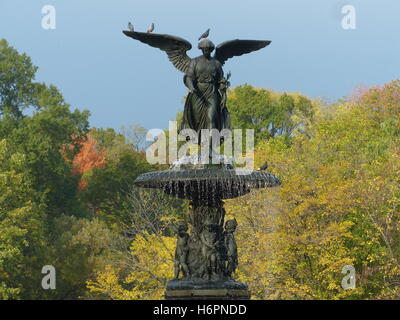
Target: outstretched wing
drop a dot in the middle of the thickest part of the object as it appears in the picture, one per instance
(234, 48)
(175, 47)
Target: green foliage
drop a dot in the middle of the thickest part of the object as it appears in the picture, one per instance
(21, 223)
(36, 183)
(17, 90)
(270, 114)
(42, 136)
(107, 187)
(338, 205)
(109, 140)
(79, 247)
(108, 190)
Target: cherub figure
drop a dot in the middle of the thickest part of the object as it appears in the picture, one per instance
(209, 239)
(231, 247)
(181, 251)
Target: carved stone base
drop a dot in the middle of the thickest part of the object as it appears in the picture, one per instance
(206, 290)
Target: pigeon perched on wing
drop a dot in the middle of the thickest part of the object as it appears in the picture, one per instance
(263, 167)
(205, 34)
(151, 28)
(130, 27)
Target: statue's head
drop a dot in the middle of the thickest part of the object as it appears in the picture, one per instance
(231, 225)
(207, 47)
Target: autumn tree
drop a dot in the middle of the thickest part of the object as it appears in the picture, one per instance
(37, 187)
(21, 223)
(269, 113)
(89, 157)
(142, 271)
(338, 205)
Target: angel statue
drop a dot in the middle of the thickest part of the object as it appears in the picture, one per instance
(205, 106)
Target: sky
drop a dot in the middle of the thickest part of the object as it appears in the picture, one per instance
(122, 81)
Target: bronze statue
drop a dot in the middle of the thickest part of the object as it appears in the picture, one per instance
(205, 106)
(181, 251)
(209, 240)
(208, 256)
(231, 247)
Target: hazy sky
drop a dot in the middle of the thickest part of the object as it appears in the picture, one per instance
(122, 81)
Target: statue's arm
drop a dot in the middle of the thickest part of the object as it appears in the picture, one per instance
(222, 82)
(190, 83)
(220, 70)
(189, 78)
(221, 78)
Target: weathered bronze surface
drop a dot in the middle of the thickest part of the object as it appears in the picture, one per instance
(205, 258)
(205, 106)
(231, 247)
(205, 184)
(181, 252)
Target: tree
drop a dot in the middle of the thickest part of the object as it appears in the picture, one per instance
(270, 114)
(142, 271)
(21, 223)
(80, 248)
(142, 275)
(42, 136)
(338, 205)
(135, 134)
(36, 182)
(17, 90)
(107, 187)
(88, 158)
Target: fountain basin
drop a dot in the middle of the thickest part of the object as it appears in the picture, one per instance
(204, 184)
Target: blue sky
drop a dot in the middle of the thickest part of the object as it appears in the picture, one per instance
(122, 81)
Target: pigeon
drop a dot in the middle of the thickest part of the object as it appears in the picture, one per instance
(228, 75)
(151, 28)
(205, 34)
(263, 167)
(130, 27)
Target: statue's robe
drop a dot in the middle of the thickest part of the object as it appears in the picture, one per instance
(205, 109)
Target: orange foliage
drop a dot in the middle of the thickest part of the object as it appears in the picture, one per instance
(89, 157)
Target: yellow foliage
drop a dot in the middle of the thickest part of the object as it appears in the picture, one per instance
(144, 277)
(338, 205)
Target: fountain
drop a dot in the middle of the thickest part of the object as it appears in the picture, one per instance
(205, 259)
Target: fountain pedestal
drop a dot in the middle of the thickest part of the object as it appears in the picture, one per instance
(206, 290)
(210, 255)
(206, 259)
